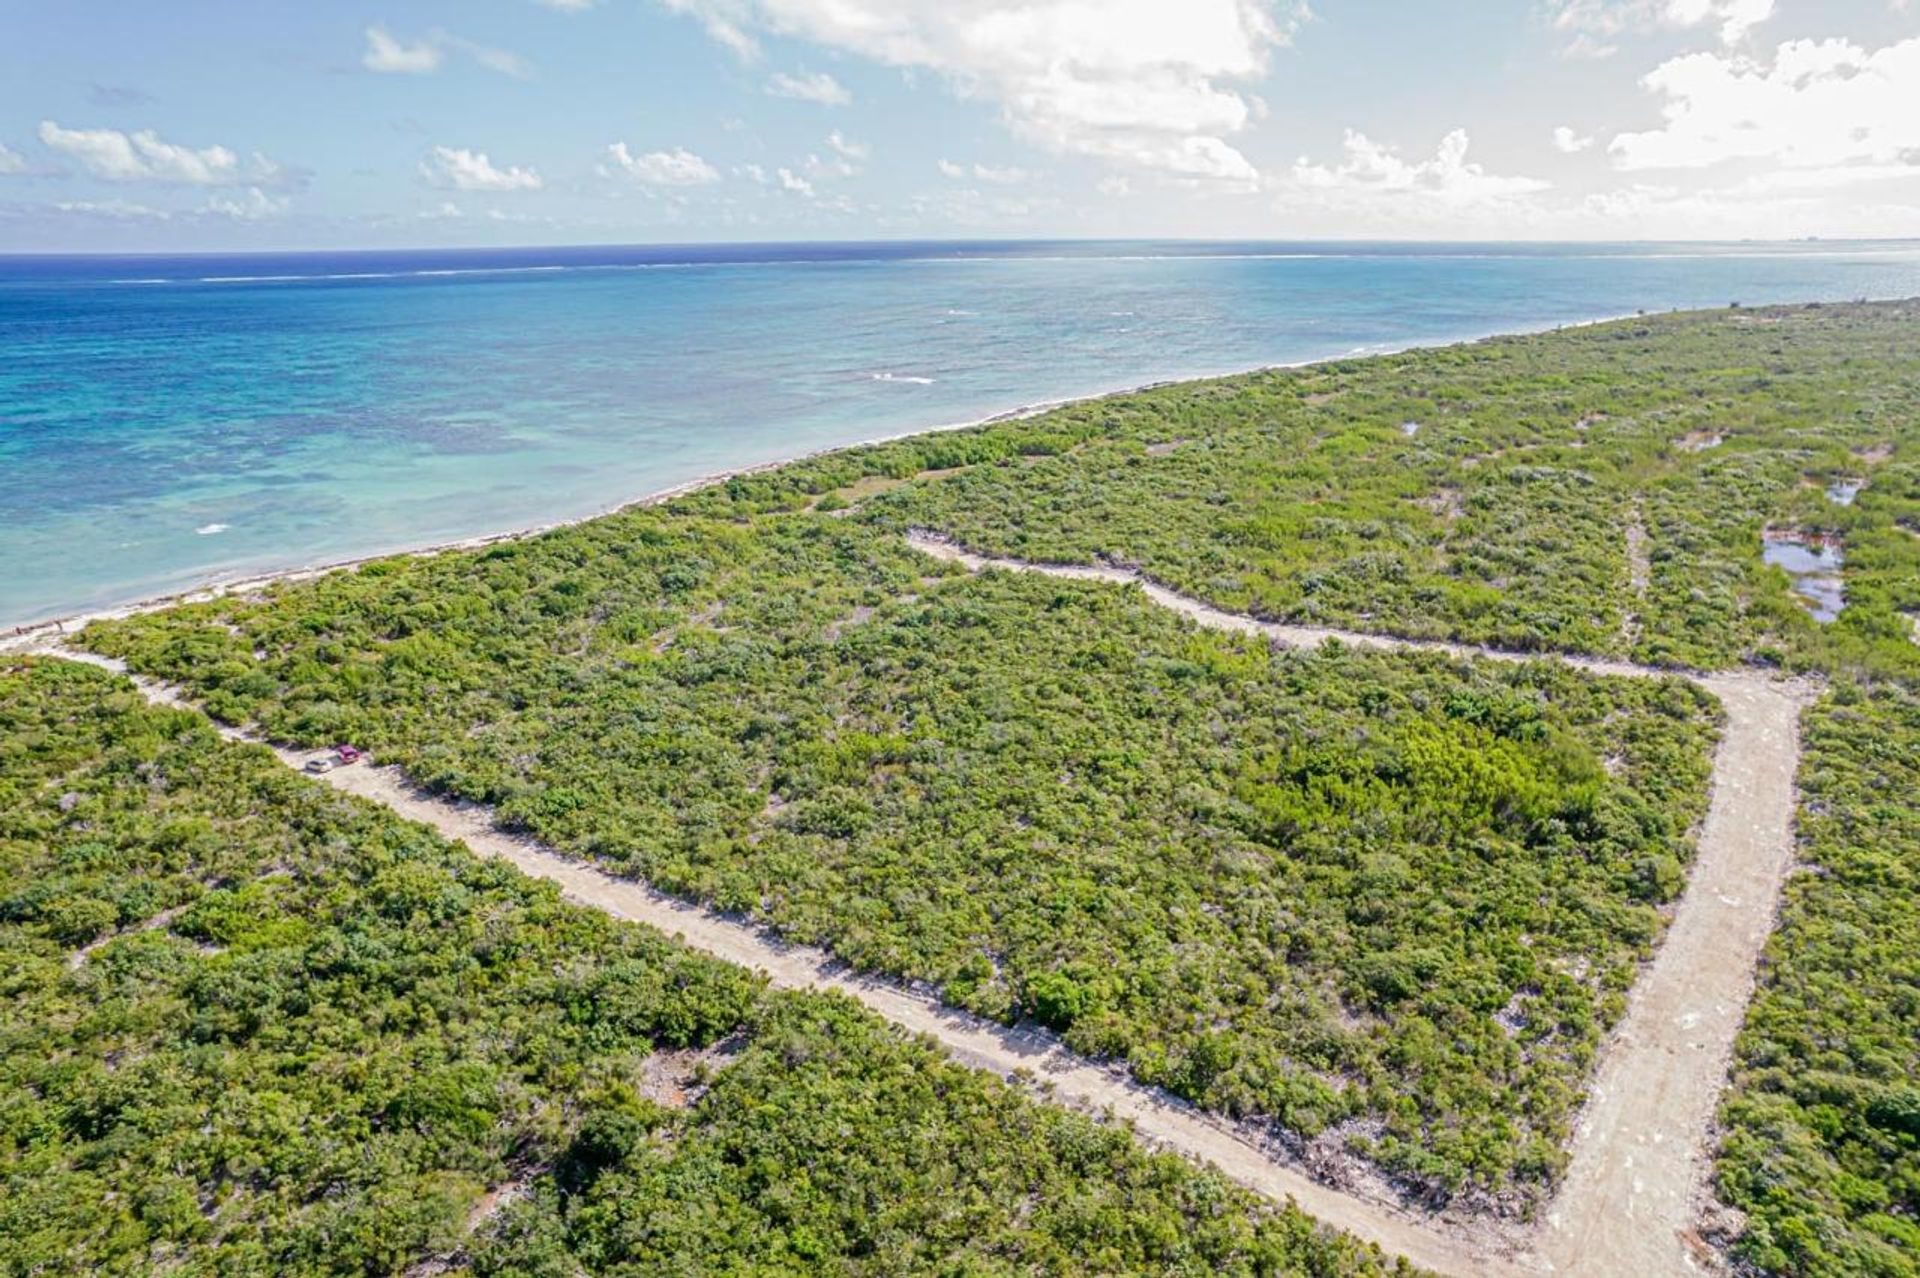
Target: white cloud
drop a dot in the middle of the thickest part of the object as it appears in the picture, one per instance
(1593, 24)
(818, 87)
(384, 53)
(501, 60)
(857, 152)
(144, 157)
(1374, 172)
(251, 206)
(1819, 103)
(678, 167)
(11, 161)
(1134, 82)
(465, 170)
(791, 181)
(844, 162)
(118, 210)
(388, 54)
(1567, 142)
(1006, 176)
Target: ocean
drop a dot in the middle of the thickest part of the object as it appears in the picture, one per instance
(167, 422)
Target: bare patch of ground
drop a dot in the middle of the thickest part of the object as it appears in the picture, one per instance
(164, 918)
(1447, 503)
(860, 616)
(484, 1209)
(679, 1079)
(854, 495)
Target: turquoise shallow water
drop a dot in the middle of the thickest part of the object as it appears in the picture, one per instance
(166, 422)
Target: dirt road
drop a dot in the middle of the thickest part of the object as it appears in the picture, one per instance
(1639, 1155)
(1640, 1159)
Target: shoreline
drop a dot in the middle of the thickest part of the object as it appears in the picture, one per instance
(27, 636)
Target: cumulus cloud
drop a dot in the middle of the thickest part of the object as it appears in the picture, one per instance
(1369, 169)
(818, 87)
(1591, 25)
(844, 161)
(1140, 83)
(1816, 103)
(1568, 142)
(1006, 176)
(846, 148)
(465, 170)
(385, 53)
(11, 161)
(250, 206)
(791, 181)
(678, 167)
(143, 156)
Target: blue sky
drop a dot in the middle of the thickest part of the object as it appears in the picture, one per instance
(132, 126)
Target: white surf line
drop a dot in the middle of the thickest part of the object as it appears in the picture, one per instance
(1023, 1054)
(1640, 1157)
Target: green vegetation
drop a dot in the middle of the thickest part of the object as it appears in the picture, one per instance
(1389, 903)
(1822, 1147)
(252, 1026)
(1298, 495)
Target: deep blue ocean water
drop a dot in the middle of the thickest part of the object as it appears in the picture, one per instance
(165, 422)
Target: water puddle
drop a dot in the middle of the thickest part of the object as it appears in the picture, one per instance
(1813, 562)
(1409, 429)
(1841, 492)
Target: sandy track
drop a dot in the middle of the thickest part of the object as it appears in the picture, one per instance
(1640, 1154)
(1638, 1181)
(1019, 1052)
(1007, 1051)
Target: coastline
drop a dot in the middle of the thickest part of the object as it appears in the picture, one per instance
(48, 632)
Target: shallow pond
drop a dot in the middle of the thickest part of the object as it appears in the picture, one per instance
(1841, 492)
(1814, 564)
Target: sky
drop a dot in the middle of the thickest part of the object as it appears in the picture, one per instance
(133, 126)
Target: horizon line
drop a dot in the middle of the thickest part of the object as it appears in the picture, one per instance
(1781, 242)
